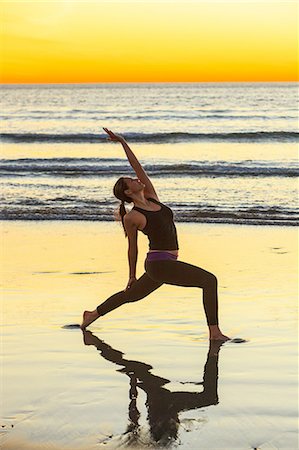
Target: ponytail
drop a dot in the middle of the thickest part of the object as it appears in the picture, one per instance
(119, 192)
(122, 213)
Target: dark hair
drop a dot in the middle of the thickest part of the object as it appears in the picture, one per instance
(119, 192)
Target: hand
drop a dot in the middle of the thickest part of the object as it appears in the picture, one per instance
(131, 281)
(113, 137)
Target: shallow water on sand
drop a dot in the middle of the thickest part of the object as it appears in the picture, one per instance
(144, 376)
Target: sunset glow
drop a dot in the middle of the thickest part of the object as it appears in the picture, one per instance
(71, 41)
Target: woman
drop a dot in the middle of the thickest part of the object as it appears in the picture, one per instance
(156, 221)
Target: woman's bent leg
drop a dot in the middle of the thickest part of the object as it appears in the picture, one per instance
(183, 274)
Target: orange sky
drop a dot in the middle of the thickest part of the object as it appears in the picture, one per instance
(67, 41)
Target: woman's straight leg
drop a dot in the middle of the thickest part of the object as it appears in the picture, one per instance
(182, 274)
(140, 289)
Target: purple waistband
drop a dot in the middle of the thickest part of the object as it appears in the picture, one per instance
(160, 256)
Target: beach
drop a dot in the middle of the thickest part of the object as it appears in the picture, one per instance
(146, 371)
(223, 157)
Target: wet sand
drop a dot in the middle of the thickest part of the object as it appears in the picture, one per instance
(145, 375)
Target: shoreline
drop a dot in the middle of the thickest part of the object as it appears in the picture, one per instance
(199, 222)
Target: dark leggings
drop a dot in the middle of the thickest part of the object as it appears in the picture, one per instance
(169, 272)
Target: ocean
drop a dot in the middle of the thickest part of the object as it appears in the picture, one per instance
(216, 152)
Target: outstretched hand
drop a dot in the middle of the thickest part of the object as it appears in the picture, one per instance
(113, 136)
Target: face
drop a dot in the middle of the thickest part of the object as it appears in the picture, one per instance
(134, 185)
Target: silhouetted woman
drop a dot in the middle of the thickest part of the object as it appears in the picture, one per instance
(155, 220)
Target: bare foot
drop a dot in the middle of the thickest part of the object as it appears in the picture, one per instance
(216, 334)
(219, 337)
(88, 318)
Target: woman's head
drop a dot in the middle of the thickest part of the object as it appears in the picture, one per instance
(125, 188)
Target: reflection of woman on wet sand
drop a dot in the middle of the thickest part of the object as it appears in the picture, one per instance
(154, 219)
(163, 406)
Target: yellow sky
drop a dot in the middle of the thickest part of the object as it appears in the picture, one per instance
(100, 41)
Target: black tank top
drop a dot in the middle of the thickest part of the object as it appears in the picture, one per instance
(160, 227)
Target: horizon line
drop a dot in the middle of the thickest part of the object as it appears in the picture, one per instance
(3, 83)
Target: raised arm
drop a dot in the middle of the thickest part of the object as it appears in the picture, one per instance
(149, 190)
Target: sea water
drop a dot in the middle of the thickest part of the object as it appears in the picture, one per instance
(216, 152)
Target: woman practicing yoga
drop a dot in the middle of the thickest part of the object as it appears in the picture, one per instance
(161, 266)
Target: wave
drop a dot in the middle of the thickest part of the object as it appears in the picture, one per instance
(86, 167)
(104, 211)
(163, 137)
(171, 115)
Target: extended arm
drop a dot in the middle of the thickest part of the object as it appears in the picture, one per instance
(149, 189)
